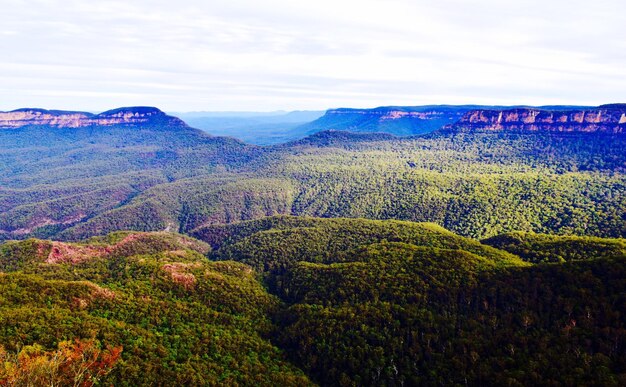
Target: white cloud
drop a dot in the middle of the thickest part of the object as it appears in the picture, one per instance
(270, 54)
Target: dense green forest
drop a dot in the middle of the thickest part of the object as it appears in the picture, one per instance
(400, 303)
(318, 301)
(178, 318)
(550, 248)
(72, 184)
(455, 258)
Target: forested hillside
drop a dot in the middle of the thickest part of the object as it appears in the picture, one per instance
(54, 177)
(72, 183)
(397, 303)
(552, 248)
(397, 120)
(176, 317)
(326, 301)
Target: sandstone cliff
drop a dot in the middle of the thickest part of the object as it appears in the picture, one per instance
(610, 119)
(67, 119)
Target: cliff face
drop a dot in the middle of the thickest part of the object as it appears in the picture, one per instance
(64, 119)
(608, 119)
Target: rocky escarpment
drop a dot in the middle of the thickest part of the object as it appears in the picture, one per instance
(68, 119)
(609, 119)
(397, 120)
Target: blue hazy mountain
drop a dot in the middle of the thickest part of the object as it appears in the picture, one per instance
(260, 128)
(268, 128)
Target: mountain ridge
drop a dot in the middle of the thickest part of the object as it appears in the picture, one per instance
(134, 115)
(609, 119)
(396, 120)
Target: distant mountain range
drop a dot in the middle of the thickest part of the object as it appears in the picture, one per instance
(252, 127)
(410, 121)
(397, 120)
(74, 174)
(283, 127)
(603, 119)
(280, 127)
(74, 119)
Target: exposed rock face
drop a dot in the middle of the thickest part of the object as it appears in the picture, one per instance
(74, 254)
(132, 244)
(610, 119)
(65, 119)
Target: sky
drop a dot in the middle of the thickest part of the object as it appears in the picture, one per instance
(265, 55)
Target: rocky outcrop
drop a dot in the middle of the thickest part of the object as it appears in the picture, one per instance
(609, 119)
(67, 119)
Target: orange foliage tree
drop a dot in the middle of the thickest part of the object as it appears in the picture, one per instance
(80, 363)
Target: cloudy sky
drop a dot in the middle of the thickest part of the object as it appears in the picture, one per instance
(263, 55)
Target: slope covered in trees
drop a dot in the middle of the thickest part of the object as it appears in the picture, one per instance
(397, 120)
(556, 248)
(418, 317)
(399, 303)
(330, 301)
(176, 317)
(291, 240)
(72, 183)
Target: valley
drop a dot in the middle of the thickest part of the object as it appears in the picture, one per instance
(71, 183)
(436, 245)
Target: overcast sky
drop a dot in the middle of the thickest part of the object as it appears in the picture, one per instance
(263, 55)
